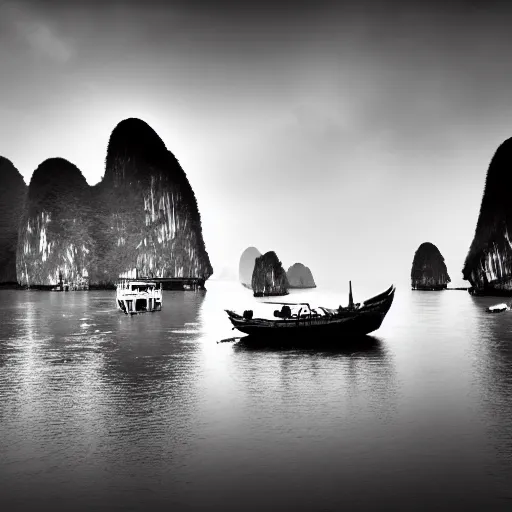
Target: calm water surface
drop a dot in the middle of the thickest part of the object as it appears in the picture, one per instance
(101, 411)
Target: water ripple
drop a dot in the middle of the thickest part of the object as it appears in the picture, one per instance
(100, 410)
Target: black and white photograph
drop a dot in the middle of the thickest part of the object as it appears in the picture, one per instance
(254, 255)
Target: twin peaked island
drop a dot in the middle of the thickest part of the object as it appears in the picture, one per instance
(142, 219)
(265, 275)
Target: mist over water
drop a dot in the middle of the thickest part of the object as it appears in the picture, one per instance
(103, 411)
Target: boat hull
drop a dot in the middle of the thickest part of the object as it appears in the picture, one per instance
(347, 323)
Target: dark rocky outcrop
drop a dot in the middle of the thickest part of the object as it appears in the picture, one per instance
(429, 269)
(54, 241)
(12, 198)
(141, 220)
(488, 265)
(269, 277)
(299, 276)
(148, 219)
(246, 266)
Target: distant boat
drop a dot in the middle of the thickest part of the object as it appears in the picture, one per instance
(498, 308)
(354, 320)
(134, 297)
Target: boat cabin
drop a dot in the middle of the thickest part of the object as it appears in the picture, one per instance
(139, 296)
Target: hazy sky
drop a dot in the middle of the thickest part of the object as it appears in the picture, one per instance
(341, 135)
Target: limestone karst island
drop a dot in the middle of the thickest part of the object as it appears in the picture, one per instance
(300, 276)
(269, 277)
(246, 266)
(429, 269)
(488, 264)
(12, 199)
(141, 220)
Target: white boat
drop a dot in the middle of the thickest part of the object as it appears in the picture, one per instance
(134, 297)
(498, 308)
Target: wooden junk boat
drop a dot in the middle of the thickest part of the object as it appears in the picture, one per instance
(354, 320)
(134, 297)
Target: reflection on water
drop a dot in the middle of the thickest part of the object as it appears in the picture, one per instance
(330, 382)
(87, 393)
(362, 344)
(99, 410)
(493, 384)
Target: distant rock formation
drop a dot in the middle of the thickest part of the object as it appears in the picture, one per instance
(54, 243)
(149, 223)
(269, 277)
(488, 265)
(246, 266)
(429, 269)
(299, 276)
(12, 198)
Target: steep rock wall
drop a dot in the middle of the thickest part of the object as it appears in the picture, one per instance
(269, 277)
(54, 240)
(12, 198)
(429, 269)
(300, 276)
(246, 266)
(148, 218)
(488, 264)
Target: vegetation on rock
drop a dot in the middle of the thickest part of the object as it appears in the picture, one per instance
(488, 264)
(141, 217)
(149, 215)
(429, 269)
(269, 277)
(54, 241)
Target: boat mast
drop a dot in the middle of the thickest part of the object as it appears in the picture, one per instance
(350, 299)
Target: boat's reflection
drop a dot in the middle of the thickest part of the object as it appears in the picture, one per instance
(370, 345)
(349, 367)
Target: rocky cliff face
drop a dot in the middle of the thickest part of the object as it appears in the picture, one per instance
(269, 277)
(488, 265)
(246, 266)
(54, 241)
(299, 276)
(429, 269)
(141, 219)
(148, 219)
(12, 198)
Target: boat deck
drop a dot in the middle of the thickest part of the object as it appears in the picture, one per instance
(133, 297)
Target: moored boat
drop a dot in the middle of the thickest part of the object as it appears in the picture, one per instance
(300, 318)
(134, 297)
(498, 308)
